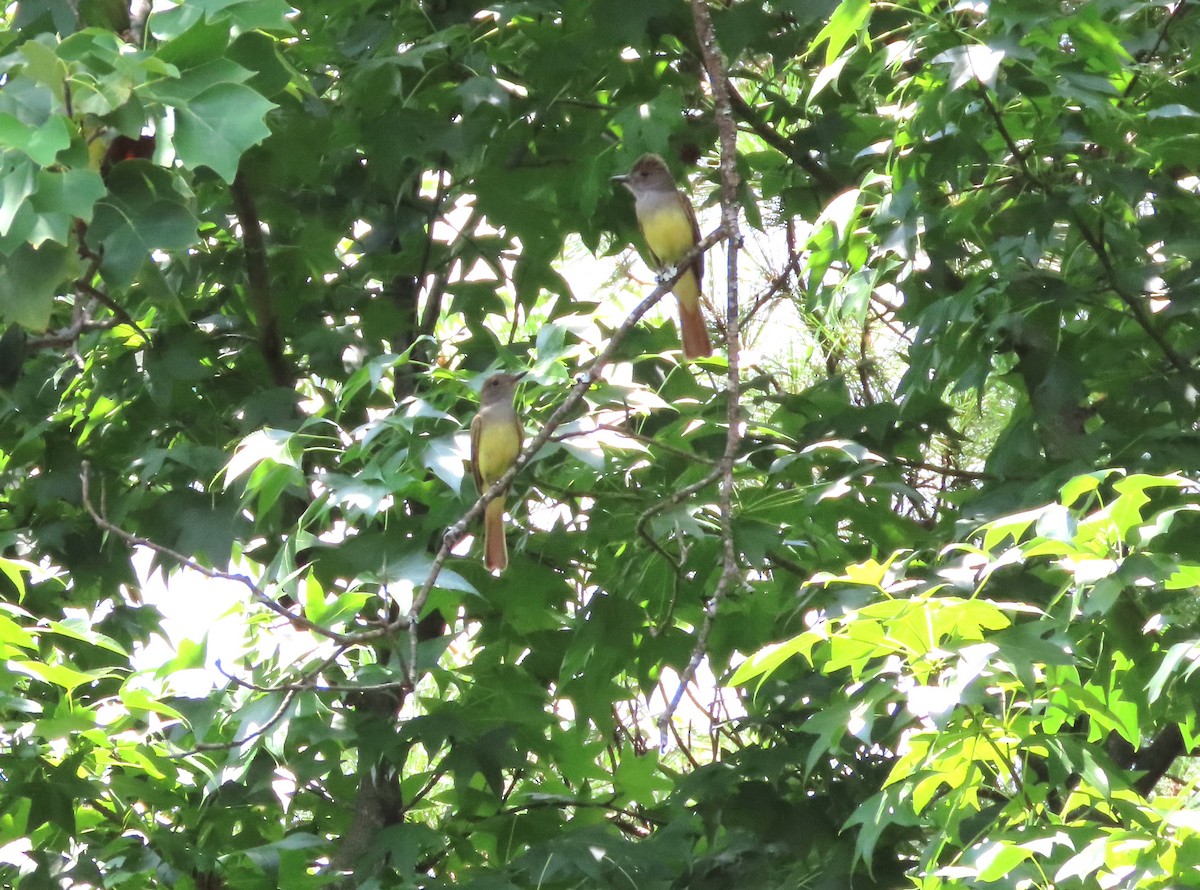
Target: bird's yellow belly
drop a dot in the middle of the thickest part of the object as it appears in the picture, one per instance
(668, 233)
(498, 448)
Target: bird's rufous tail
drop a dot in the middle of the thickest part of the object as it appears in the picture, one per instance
(495, 553)
(695, 334)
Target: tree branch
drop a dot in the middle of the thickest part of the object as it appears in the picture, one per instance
(84, 286)
(1156, 758)
(256, 592)
(583, 383)
(821, 176)
(1095, 241)
(1153, 51)
(258, 282)
(730, 569)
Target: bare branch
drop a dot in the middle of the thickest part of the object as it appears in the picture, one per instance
(730, 570)
(84, 286)
(123, 317)
(256, 592)
(70, 335)
(273, 721)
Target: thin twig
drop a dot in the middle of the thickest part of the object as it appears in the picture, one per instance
(84, 286)
(1136, 308)
(820, 175)
(437, 287)
(775, 285)
(308, 684)
(435, 776)
(116, 308)
(677, 498)
(271, 723)
(256, 592)
(944, 470)
(864, 361)
(1153, 51)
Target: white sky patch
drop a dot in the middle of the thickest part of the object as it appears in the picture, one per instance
(703, 705)
(212, 612)
(195, 610)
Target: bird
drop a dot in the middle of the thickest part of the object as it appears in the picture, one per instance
(496, 440)
(668, 223)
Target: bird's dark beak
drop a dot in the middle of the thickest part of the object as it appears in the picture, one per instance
(623, 178)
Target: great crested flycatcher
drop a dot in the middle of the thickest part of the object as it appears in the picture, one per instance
(496, 439)
(668, 224)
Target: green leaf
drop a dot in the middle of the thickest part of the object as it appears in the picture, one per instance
(191, 82)
(1082, 485)
(767, 660)
(1189, 651)
(244, 15)
(408, 572)
(41, 143)
(218, 125)
(997, 859)
(18, 183)
(78, 629)
(639, 780)
(60, 199)
(1172, 110)
(266, 856)
(973, 63)
(14, 570)
(1084, 864)
(187, 39)
(109, 14)
(313, 597)
(260, 716)
(58, 674)
(847, 21)
(445, 456)
(14, 636)
(29, 280)
(1014, 527)
(136, 699)
(249, 15)
(273, 73)
(279, 447)
(44, 66)
(142, 213)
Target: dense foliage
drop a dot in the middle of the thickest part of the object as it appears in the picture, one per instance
(256, 260)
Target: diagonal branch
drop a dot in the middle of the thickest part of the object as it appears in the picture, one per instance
(1153, 51)
(1094, 240)
(820, 175)
(1155, 758)
(256, 592)
(583, 383)
(84, 286)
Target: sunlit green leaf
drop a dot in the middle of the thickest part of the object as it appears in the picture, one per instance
(216, 126)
